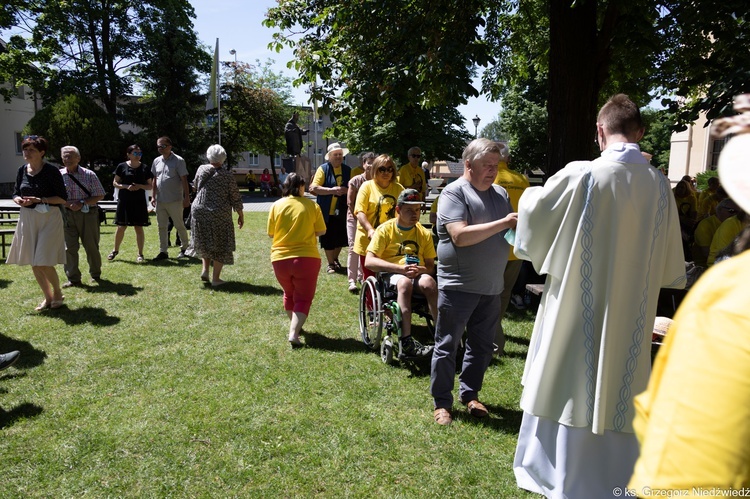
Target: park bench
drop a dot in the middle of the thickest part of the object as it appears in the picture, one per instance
(6, 234)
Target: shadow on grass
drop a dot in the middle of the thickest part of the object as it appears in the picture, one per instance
(30, 356)
(518, 340)
(4, 283)
(91, 315)
(245, 287)
(22, 411)
(500, 418)
(118, 288)
(525, 315)
(316, 340)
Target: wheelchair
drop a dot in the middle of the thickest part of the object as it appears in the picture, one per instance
(379, 311)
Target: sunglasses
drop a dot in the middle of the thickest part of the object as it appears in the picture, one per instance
(162, 147)
(136, 153)
(31, 137)
(415, 155)
(383, 169)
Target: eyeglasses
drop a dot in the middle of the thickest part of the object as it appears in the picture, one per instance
(415, 155)
(136, 153)
(162, 147)
(383, 169)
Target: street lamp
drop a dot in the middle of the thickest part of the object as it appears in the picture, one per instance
(234, 53)
(476, 121)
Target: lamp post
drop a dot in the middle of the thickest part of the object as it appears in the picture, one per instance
(234, 53)
(476, 121)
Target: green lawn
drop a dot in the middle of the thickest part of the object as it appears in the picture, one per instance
(152, 385)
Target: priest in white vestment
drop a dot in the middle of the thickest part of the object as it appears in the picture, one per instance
(606, 233)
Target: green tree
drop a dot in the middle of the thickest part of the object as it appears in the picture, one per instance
(373, 64)
(102, 49)
(172, 103)
(255, 106)
(658, 138)
(78, 121)
(705, 56)
(583, 51)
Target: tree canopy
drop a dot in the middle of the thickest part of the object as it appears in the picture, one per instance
(109, 50)
(378, 66)
(256, 104)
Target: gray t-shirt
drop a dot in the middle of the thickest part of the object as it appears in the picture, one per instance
(478, 268)
(168, 176)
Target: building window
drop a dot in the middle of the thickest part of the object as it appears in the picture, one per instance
(252, 159)
(716, 149)
(19, 140)
(277, 160)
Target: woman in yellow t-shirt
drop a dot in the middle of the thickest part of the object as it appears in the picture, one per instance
(376, 203)
(294, 223)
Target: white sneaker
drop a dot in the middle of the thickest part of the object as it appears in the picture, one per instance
(353, 287)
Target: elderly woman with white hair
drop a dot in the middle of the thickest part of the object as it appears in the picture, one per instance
(212, 230)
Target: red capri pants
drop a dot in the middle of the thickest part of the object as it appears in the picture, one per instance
(298, 278)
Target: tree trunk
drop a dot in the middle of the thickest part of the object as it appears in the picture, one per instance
(574, 86)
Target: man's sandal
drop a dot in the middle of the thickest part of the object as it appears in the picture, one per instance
(443, 417)
(112, 255)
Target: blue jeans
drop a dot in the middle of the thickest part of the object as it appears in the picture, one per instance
(476, 314)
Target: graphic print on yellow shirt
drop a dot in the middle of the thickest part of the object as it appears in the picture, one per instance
(390, 243)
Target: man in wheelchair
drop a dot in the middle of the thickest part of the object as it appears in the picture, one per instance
(402, 249)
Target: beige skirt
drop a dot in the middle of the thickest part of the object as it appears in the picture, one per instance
(39, 239)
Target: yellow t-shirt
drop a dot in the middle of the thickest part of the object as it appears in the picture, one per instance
(378, 205)
(704, 234)
(691, 421)
(292, 223)
(707, 204)
(389, 242)
(515, 183)
(724, 235)
(413, 178)
(320, 179)
(356, 171)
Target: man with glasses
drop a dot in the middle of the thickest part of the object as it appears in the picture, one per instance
(411, 175)
(170, 195)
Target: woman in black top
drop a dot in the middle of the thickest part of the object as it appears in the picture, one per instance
(39, 240)
(133, 179)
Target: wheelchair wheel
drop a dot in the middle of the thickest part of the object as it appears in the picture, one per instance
(370, 313)
(386, 351)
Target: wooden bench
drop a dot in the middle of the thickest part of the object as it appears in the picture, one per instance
(4, 233)
(108, 207)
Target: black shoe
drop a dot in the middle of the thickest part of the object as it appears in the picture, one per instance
(181, 254)
(412, 348)
(161, 256)
(8, 359)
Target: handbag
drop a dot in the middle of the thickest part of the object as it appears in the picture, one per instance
(102, 213)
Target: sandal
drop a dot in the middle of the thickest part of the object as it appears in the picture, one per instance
(477, 409)
(331, 268)
(139, 259)
(443, 417)
(112, 255)
(57, 303)
(42, 306)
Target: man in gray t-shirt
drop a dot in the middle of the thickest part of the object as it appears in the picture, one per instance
(472, 217)
(171, 194)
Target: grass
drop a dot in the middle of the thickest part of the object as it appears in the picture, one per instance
(152, 385)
